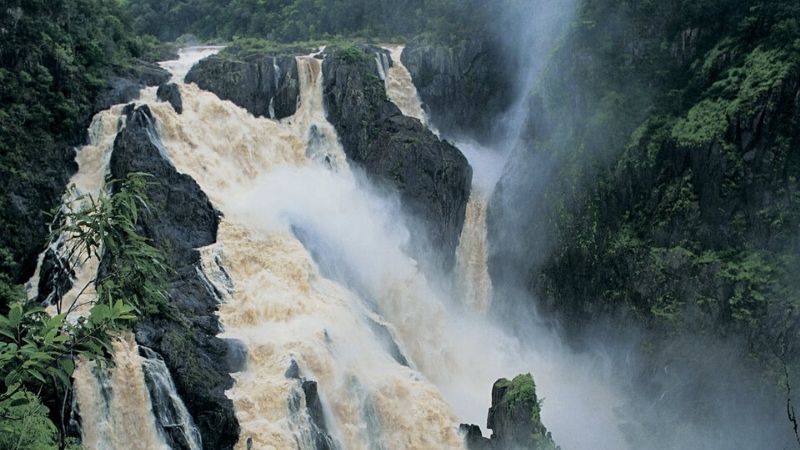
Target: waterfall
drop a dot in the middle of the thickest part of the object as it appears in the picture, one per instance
(579, 385)
(472, 271)
(188, 57)
(473, 285)
(313, 280)
(399, 86)
(114, 404)
(277, 301)
(92, 160)
(169, 410)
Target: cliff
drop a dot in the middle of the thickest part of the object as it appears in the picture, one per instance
(464, 86)
(431, 176)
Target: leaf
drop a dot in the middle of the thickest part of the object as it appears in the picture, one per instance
(37, 375)
(60, 374)
(68, 365)
(15, 315)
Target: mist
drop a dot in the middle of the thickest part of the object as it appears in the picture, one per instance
(696, 391)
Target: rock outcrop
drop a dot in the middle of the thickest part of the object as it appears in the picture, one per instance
(313, 408)
(431, 176)
(266, 86)
(171, 94)
(180, 219)
(463, 86)
(514, 419)
(125, 87)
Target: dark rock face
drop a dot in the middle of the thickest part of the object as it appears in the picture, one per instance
(55, 278)
(514, 418)
(313, 407)
(125, 87)
(180, 219)
(172, 94)
(267, 86)
(24, 213)
(432, 177)
(463, 86)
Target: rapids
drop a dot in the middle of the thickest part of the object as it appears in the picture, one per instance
(310, 261)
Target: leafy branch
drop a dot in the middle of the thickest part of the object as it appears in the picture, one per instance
(39, 351)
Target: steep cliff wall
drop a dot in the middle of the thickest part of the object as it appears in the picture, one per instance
(432, 177)
(658, 186)
(464, 86)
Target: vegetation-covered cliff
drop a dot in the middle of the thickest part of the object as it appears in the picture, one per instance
(653, 187)
(657, 185)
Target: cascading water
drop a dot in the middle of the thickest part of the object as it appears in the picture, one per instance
(315, 283)
(188, 57)
(170, 412)
(399, 87)
(278, 303)
(583, 394)
(115, 404)
(115, 407)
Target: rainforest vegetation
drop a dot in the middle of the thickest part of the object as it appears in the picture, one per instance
(669, 131)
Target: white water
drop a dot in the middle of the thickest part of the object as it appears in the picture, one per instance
(169, 411)
(400, 88)
(272, 178)
(188, 57)
(115, 408)
(267, 176)
(577, 389)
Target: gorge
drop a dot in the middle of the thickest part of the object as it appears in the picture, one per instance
(570, 224)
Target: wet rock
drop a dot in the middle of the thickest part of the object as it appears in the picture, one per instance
(125, 87)
(266, 86)
(397, 152)
(463, 86)
(172, 94)
(322, 440)
(180, 219)
(55, 278)
(293, 371)
(236, 356)
(514, 418)
(313, 408)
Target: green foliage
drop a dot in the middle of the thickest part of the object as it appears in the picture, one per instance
(303, 20)
(741, 89)
(24, 424)
(38, 351)
(107, 227)
(55, 58)
(245, 49)
(521, 392)
(521, 389)
(676, 195)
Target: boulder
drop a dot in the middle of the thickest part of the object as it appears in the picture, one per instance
(172, 94)
(125, 86)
